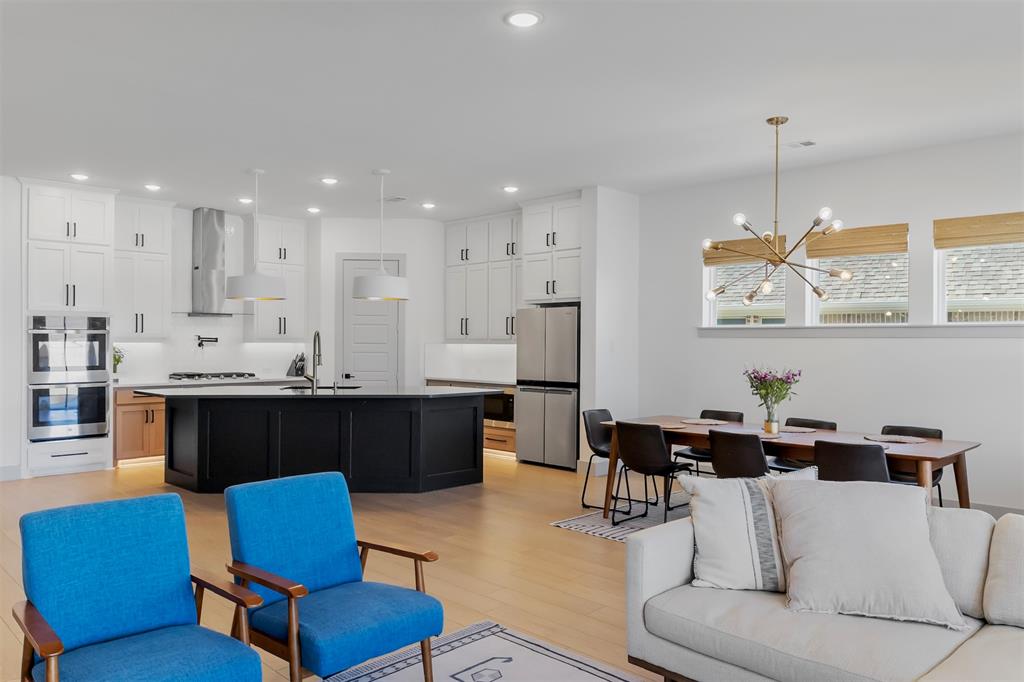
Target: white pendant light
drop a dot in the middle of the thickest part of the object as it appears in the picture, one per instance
(255, 286)
(381, 286)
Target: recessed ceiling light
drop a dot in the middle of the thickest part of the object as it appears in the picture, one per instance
(79, 176)
(523, 18)
(427, 204)
(152, 188)
(329, 181)
(511, 189)
(312, 209)
(244, 200)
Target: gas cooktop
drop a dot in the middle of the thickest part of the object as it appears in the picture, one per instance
(211, 375)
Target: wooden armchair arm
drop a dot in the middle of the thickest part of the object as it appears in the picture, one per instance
(289, 588)
(240, 596)
(37, 631)
(398, 551)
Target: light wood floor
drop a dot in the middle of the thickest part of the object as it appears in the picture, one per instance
(499, 558)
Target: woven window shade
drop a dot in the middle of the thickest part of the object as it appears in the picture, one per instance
(859, 241)
(753, 246)
(979, 230)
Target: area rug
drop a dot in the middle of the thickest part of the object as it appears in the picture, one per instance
(487, 652)
(594, 524)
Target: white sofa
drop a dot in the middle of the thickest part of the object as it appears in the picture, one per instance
(684, 632)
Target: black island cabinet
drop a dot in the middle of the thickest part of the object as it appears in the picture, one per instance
(405, 440)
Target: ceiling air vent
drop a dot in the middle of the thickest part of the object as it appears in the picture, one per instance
(802, 143)
(395, 199)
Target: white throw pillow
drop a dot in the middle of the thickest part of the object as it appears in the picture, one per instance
(1004, 588)
(735, 538)
(862, 549)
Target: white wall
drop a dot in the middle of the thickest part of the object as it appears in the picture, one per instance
(973, 388)
(12, 331)
(422, 243)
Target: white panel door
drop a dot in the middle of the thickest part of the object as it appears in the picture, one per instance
(536, 237)
(269, 315)
(454, 244)
(126, 226)
(369, 334)
(536, 284)
(295, 302)
(88, 273)
(565, 231)
(476, 242)
(293, 243)
(500, 231)
(268, 241)
(154, 227)
(476, 301)
(565, 275)
(499, 300)
(152, 294)
(455, 302)
(49, 213)
(48, 286)
(92, 218)
(124, 315)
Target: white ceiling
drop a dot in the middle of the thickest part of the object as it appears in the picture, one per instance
(637, 96)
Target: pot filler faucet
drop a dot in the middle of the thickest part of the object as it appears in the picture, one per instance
(317, 360)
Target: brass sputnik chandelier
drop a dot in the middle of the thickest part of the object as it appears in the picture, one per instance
(776, 259)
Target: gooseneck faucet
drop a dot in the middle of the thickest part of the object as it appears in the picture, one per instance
(318, 359)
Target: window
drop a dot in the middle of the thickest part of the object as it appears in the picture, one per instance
(878, 293)
(983, 283)
(728, 307)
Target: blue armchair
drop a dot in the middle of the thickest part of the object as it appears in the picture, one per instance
(293, 539)
(110, 598)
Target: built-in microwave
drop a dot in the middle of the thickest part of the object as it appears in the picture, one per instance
(68, 349)
(68, 411)
(500, 407)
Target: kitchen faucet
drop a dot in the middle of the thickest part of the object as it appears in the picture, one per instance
(317, 360)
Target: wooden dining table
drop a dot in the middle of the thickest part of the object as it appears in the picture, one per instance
(922, 459)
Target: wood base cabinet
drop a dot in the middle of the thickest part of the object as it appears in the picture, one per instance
(139, 426)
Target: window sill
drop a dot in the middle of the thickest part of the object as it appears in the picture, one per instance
(856, 331)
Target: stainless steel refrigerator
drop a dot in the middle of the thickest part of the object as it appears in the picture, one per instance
(547, 385)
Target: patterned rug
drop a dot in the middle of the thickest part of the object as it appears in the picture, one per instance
(594, 524)
(487, 652)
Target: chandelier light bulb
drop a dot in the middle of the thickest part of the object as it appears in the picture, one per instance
(825, 213)
(833, 227)
(714, 293)
(706, 244)
(767, 287)
(767, 236)
(821, 294)
(739, 220)
(748, 299)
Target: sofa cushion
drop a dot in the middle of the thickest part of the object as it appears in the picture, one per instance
(961, 538)
(996, 652)
(174, 654)
(735, 537)
(1004, 588)
(351, 623)
(861, 548)
(755, 630)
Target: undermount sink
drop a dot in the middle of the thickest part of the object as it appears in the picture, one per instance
(321, 388)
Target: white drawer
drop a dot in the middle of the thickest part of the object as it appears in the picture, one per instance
(61, 457)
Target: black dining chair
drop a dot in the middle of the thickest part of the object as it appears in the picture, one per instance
(698, 455)
(642, 448)
(737, 455)
(599, 438)
(919, 432)
(785, 465)
(850, 461)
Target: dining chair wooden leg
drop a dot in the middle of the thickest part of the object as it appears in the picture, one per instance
(428, 661)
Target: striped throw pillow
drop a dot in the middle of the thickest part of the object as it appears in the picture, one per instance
(736, 539)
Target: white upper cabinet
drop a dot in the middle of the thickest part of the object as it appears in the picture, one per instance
(466, 243)
(551, 238)
(565, 275)
(476, 301)
(47, 276)
(142, 226)
(280, 320)
(455, 302)
(500, 300)
(565, 228)
(68, 277)
(537, 222)
(280, 241)
(536, 280)
(503, 238)
(142, 296)
(61, 214)
(551, 226)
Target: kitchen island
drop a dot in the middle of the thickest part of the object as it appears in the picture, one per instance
(383, 440)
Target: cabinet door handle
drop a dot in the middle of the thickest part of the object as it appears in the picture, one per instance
(513, 248)
(508, 248)
(67, 294)
(145, 416)
(142, 322)
(547, 287)
(67, 228)
(136, 239)
(547, 239)
(74, 295)
(467, 254)
(286, 326)
(554, 238)
(286, 253)
(136, 323)
(553, 289)
(513, 325)
(74, 229)
(143, 240)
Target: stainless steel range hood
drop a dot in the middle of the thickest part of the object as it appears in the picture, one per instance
(208, 273)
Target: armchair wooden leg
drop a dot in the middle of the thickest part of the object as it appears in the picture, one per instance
(428, 661)
(27, 661)
(294, 655)
(240, 626)
(52, 674)
(200, 591)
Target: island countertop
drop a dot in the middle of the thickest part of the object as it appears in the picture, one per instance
(324, 393)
